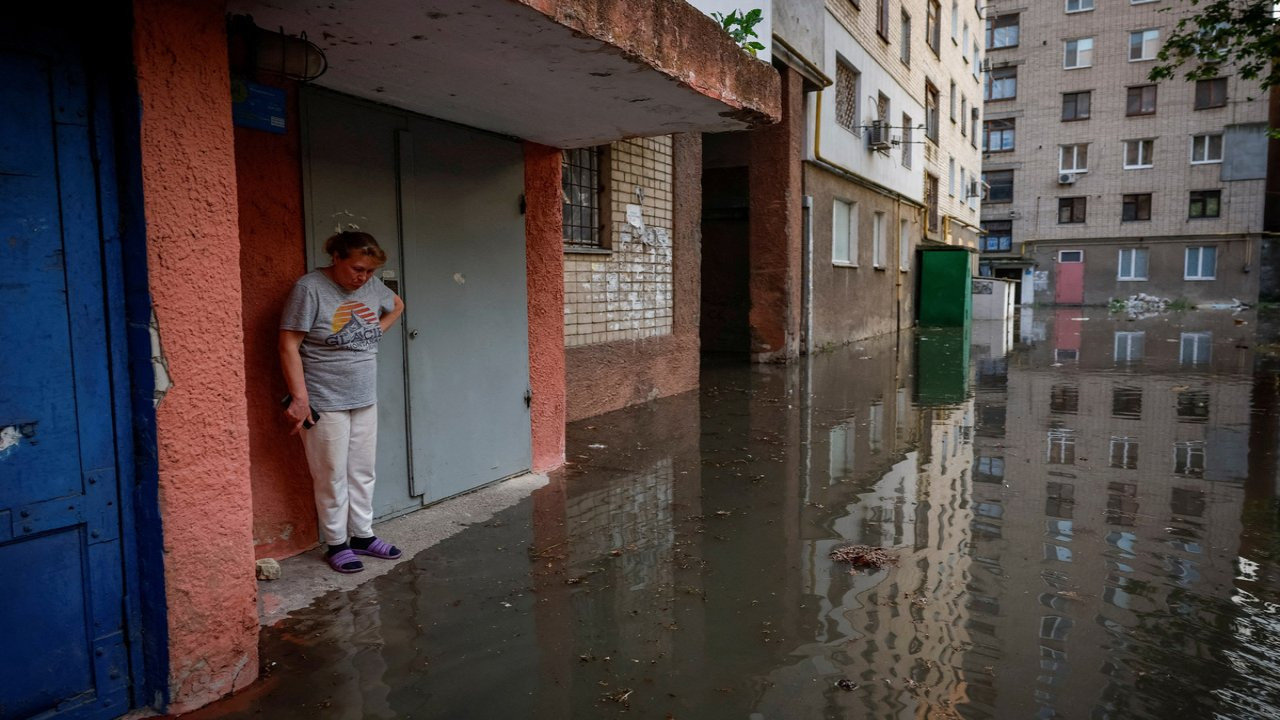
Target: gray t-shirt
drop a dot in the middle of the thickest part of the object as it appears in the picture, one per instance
(340, 349)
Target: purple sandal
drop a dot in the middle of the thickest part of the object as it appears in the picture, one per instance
(379, 548)
(345, 561)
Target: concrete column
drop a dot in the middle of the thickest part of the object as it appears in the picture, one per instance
(544, 258)
(193, 260)
(775, 182)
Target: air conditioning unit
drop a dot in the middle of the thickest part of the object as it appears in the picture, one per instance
(878, 135)
(1066, 178)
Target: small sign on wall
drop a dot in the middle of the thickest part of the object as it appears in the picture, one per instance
(259, 107)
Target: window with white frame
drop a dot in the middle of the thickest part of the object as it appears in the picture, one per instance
(904, 245)
(964, 38)
(847, 81)
(1188, 458)
(1079, 5)
(878, 232)
(1201, 263)
(974, 117)
(844, 233)
(954, 95)
(1143, 45)
(951, 177)
(1132, 264)
(1138, 153)
(1195, 348)
(964, 115)
(955, 21)
(1206, 148)
(1073, 158)
(1124, 452)
(1129, 346)
(1077, 53)
(1062, 447)
(977, 57)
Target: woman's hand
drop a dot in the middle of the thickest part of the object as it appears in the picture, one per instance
(291, 363)
(389, 319)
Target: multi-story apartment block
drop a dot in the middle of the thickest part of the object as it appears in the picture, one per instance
(1118, 453)
(892, 158)
(1102, 184)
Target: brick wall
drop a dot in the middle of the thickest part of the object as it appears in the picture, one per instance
(625, 293)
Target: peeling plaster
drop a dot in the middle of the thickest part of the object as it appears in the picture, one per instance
(159, 363)
(11, 436)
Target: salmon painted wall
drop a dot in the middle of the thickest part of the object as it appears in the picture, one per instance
(775, 216)
(193, 255)
(544, 258)
(273, 235)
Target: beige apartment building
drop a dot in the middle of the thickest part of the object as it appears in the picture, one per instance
(1116, 452)
(1101, 184)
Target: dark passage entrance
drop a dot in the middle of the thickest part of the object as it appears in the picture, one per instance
(726, 257)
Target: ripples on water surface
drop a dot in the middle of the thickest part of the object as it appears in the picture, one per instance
(1084, 517)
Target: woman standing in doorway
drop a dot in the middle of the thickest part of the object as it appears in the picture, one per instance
(329, 335)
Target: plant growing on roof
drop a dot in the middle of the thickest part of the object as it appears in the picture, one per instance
(741, 27)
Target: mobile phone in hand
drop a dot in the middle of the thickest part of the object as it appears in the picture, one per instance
(307, 424)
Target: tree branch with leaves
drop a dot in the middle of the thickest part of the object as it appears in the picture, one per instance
(741, 27)
(1222, 37)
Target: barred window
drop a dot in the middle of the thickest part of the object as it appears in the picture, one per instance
(847, 96)
(580, 189)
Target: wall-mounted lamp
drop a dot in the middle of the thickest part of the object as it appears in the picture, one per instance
(253, 49)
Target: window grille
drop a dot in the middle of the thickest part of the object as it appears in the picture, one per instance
(580, 186)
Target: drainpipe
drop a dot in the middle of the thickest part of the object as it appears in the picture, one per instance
(897, 271)
(807, 271)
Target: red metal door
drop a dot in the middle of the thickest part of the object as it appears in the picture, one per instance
(1068, 287)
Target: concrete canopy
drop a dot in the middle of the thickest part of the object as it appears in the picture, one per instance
(563, 73)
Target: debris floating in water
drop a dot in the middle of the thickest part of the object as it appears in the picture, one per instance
(864, 556)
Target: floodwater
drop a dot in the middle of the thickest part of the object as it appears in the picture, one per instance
(1083, 510)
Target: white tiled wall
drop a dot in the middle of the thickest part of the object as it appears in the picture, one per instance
(626, 293)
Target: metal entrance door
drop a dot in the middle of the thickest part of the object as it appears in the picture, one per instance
(352, 182)
(1068, 287)
(63, 649)
(468, 348)
(445, 203)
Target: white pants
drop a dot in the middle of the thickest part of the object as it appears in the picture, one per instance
(341, 450)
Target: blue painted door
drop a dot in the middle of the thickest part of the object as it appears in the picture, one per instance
(63, 650)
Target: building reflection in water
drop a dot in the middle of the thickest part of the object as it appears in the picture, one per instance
(1084, 525)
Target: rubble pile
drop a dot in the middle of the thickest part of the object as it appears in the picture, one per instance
(1141, 304)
